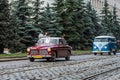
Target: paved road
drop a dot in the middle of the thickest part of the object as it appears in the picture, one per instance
(78, 68)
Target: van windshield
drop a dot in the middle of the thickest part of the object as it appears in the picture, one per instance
(101, 40)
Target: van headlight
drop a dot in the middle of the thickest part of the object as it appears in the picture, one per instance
(105, 47)
(95, 47)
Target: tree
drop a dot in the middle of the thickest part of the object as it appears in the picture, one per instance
(48, 22)
(37, 11)
(74, 23)
(96, 28)
(26, 29)
(59, 12)
(106, 19)
(116, 26)
(7, 30)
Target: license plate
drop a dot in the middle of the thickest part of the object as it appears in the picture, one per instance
(99, 51)
(38, 56)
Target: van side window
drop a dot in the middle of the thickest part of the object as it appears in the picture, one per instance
(113, 40)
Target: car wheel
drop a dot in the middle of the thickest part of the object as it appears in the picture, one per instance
(31, 59)
(53, 57)
(48, 59)
(67, 58)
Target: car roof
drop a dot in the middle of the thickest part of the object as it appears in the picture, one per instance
(52, 38)
(105, 37)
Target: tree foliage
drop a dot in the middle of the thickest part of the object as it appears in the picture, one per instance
(106, 19)
(48, 22)
(37, 11)
(27, 31)
(77, 22)
(115, 24)
(8, 35)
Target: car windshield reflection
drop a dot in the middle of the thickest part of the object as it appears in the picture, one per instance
(47, 41)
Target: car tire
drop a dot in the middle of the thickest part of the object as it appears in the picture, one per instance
(67, 58)
(48, 59)
(31, 59)
(53, 57)
(114, 52)
(101, 53)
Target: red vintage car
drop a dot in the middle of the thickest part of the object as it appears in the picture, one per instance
(49, 48)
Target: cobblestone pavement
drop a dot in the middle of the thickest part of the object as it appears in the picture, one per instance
(78, 68)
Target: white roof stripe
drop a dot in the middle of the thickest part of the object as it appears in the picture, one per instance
(104, 37)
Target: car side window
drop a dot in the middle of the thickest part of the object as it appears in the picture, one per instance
(60, 41)
(64, 42)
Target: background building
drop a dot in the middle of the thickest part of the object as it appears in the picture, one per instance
(98, 4)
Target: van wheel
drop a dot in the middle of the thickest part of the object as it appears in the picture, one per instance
(95, 53)
(114, 52)
(31, 59)
(101, 53)
(53, 57)
(109, 53)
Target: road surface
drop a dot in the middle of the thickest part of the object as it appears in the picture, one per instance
(82, 67)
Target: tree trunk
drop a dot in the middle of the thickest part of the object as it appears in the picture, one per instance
(1, 49)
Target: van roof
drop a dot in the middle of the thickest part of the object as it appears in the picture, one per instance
(105, 37)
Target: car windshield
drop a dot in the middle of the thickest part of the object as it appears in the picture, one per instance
(101, 40)
(47, 41)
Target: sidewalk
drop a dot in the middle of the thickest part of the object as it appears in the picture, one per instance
(12, 59)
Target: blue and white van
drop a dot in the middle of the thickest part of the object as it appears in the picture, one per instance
(104, 44)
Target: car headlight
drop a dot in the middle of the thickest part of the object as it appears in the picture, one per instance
(28, 49)
(49, 49)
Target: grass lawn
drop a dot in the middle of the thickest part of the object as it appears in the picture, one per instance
(13, 55)
(79, 52)
(74, 52)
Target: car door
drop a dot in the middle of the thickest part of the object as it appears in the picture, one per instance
(62, 50)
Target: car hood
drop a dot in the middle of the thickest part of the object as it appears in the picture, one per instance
(43, 46)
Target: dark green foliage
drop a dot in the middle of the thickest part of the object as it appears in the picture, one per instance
(115, 24)
(36, 13)
(8, 28)
(74, 19)
(4, 24)
(15, 45)
(91, 24)
(110, 21)
(49, 22)
(26, 30)
(96, 27)
(77, 24)
(59, 12)
(106, 19)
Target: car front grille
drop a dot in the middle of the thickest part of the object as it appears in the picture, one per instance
(43, 52)
(34, 52)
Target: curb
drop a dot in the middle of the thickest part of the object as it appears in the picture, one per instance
(13, 59)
